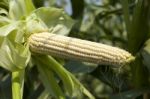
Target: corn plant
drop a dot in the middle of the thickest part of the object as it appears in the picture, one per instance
(33, 37)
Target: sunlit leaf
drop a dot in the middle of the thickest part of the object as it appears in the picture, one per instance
(56, 20)
(20, 8)
(5, 30)
(4, 21)
(11, 59)
(29, 6)
(39, 25)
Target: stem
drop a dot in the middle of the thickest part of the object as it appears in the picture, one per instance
(125, 5)
(17, 84)
(137, 35)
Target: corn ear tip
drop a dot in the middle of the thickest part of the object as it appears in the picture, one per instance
(130, 59)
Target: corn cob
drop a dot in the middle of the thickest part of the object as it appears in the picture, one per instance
(73, 48)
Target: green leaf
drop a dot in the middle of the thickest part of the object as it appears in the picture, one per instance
(59, 70)
(1, 40)
(80, 88)
(55, 19)
(5, 53)
(29, 6)
(16, 9)
(4, 21)
(49, 81)
(4, 4)
(87, 21)
(6, 29)
(14, 31)
(71, 84)
(3, 11)
(146, 54)
(12, 50)
(20, 8)
(79, 67)
(39, 25)
(13, 59)
(44, 95)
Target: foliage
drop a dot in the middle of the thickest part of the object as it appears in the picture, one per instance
(122, 23)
